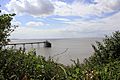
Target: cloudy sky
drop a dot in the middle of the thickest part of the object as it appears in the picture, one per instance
(63, 18)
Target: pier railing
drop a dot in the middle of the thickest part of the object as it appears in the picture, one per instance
(23, 44)
(46, 43)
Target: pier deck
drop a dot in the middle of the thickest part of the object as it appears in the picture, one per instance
(46, 43)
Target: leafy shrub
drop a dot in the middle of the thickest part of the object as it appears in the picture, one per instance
(16, 65)
(104, 64)
(110, 71)
(106, 51)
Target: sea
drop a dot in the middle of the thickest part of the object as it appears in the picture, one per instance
(63, 50)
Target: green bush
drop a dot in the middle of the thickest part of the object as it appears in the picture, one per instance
(104, 64)
(15, 65)
(106, 51)
(109, 71)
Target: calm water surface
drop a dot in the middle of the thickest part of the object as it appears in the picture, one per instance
(63, 50)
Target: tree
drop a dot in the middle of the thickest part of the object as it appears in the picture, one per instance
(6, 28)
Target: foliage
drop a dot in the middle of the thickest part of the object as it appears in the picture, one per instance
(5, 28)
(16, 65)
(110, 71)
(106, 51)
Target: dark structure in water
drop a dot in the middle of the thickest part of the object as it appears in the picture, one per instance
(47, 44)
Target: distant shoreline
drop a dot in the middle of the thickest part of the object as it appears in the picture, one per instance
(60, 38)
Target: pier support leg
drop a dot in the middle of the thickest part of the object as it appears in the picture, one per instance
(31, 45)
(24, 48)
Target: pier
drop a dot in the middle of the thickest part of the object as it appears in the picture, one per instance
(46, 43)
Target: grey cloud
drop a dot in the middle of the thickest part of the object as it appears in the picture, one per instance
(37, 8)
(57, 7)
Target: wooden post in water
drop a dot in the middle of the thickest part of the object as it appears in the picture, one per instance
(14, 46)
(24, 48)
(32, 45)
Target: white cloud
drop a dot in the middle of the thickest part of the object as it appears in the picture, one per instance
(76, 28)
(56, 7)
(32, 7)
(96, 28)
(80, 9)
(3, 12)
(34, 24)
(61, 19)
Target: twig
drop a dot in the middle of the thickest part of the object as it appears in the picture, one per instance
(60, 53)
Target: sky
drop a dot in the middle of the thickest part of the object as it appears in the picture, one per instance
(63, 18)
